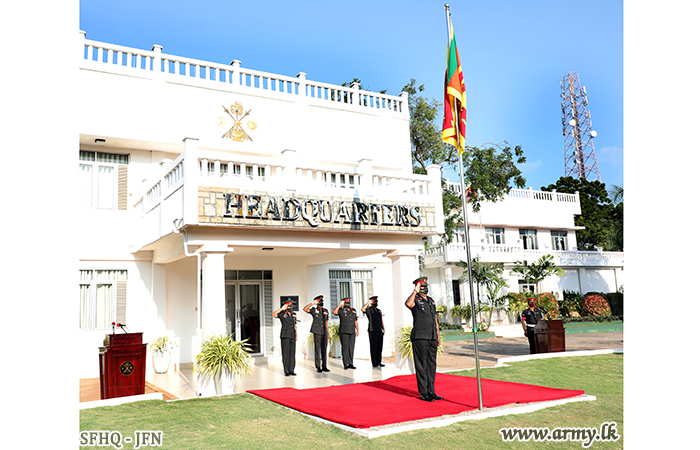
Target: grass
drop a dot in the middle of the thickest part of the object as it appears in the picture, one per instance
(244, 421)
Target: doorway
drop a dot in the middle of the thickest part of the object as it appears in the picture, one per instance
(243, 313)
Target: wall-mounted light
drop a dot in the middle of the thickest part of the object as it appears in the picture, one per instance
(268, 249)
(100, 141)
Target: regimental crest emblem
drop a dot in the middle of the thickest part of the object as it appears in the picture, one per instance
(236, 131)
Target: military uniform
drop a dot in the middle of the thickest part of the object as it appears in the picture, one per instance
(288, 338)
(424, 339)
(376, 334)
(347, 332)
(531, 317)
(320, 332)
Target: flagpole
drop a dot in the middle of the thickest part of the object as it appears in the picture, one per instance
(466, 229)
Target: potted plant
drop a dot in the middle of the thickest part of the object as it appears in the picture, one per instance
(220, 360)
(404, 348)
(464, 313)
(334, 340)
(161, 348)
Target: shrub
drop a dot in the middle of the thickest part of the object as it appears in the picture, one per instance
(548, 301)
(595, 305)
(571, 303)
(615, 300)
(517, 302)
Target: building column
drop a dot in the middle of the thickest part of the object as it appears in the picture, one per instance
(404, 269)
(213, 289)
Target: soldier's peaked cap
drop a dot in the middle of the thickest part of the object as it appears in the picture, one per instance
(318, 297)
(374, 297)
(421, 280)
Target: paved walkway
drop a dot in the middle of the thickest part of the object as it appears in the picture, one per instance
(457, 355)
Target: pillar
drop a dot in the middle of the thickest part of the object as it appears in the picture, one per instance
(404, 269)
(213, 289)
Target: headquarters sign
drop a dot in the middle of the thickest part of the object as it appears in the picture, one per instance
(235, 207)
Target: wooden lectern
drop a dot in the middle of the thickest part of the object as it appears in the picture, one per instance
(549, 336)
(122, 365)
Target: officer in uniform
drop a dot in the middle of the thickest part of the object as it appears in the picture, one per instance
(375, 329)
(319, 327)
(425, 338)
(348, 330)
(288, 337)
(529, 319)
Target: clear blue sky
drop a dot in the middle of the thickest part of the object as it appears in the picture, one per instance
(514, 53)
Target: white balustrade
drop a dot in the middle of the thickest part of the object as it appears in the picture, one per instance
(110, 57)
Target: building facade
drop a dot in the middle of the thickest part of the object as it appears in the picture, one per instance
(211, 193)
(523, 227)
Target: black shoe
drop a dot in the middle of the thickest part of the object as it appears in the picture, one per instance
(381, 365)
(286, 374)
(325, 370)
(319, 370)
(345, 367)
(434, 396)
(426, 397)
(352, 367)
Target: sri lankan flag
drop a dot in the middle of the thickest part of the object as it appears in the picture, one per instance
(453, 131)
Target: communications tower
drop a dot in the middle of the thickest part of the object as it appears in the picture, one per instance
(579, 160)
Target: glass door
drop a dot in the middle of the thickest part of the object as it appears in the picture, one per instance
(243, 313)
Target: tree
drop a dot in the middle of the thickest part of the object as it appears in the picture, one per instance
(596, 210)
(536, 272)
(490, 169)
(489, 275)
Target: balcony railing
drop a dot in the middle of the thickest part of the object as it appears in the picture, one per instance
(172, 199)
(529, 194)
(451, 253)
(154, 64)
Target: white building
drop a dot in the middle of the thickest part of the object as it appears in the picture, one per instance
(262, 186)
(525, 226)
(210, 192)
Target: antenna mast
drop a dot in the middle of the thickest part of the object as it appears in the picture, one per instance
(579, 160)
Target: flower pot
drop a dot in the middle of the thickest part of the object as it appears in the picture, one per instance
(161, 361)
(335, 350)
(223, 383)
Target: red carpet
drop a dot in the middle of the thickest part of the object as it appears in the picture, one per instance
(395, 400)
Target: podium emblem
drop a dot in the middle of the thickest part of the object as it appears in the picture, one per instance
(127, 368)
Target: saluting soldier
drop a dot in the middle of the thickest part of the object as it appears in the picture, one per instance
(348, 330)
(288, 337)
(375, 329)
(319, 327)
(529, 319)
(425, 338)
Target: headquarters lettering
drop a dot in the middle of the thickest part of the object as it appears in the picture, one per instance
(316, 211)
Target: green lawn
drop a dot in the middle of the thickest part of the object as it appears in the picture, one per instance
(245, 421)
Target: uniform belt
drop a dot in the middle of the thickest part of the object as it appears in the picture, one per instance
(530, 325)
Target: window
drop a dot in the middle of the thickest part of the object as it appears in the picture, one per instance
(529, 238)
(495, 236)
(456, 294)
(102, 298)
(356, 284)
(524, 287)
(559, 240)
(103, 178)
